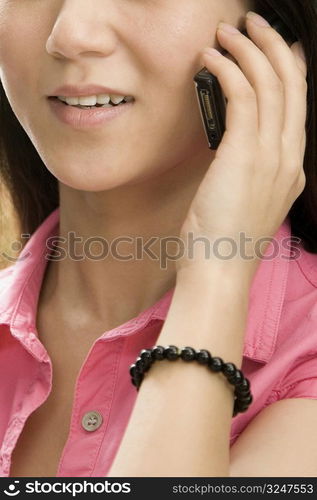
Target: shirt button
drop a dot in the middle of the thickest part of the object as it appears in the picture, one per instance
(91, 421)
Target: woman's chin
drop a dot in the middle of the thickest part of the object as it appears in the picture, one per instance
(81, 183)
(91, 179)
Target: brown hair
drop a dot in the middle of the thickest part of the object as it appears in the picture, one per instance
(34, 190)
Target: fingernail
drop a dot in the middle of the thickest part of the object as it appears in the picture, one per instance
(212, 52)
(257, 19)
(228, 28)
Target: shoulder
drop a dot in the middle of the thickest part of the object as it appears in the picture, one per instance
(301, 284)
(299, 312)
(296, 346)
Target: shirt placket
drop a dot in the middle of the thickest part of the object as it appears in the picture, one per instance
(93, 396)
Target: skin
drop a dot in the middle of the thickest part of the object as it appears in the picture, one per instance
(261, 155)
(128, 190)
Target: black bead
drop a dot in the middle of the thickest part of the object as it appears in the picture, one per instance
(137, 380)
(147, 362)
(139, 363)
(237, 404)
(241, 393)
(203, 356)
(236, 407)
(247, 399)
(133, 370)
(243, 405)
(171, 352)
(146, 354)
(241, 408)
(245, 384)
(236, 378)
(188, 354)
(229, 369)
(133, 381)
(215, 364)
(158, 352)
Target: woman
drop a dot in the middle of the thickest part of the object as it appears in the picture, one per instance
(75, 316)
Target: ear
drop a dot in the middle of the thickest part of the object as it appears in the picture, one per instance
(300, 57)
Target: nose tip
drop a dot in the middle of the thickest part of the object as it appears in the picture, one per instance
(90, 34)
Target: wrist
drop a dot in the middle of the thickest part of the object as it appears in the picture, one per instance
(208, 310)
(233, 277)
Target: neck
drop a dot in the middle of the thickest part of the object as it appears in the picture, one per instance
(114, 283)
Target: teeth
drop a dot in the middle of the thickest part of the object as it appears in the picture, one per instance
(103, 99)
(116, 99)
(94, 99)
(87, 100)
(72, 100)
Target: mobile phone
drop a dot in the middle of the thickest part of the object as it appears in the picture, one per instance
(211, 100)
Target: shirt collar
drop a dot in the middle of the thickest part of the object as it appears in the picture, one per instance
(22, 284)
(266, 298)
(20, 290)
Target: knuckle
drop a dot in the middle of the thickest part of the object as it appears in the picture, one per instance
(293, 168)
(291, 171)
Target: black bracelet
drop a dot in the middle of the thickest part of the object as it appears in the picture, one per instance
(242, 395)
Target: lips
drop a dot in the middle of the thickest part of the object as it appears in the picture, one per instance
(85, 90)
(90, 118)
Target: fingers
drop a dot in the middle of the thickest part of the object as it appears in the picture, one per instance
(291, 73)
(241, 112)
(297, 97)
(266, 84)
(270, 69)
(300, 57)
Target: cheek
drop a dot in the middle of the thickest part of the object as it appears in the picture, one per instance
(173, 52)
(20, 47)
(15, 74)
(171, 94)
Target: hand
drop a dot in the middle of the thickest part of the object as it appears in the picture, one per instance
(257, 173)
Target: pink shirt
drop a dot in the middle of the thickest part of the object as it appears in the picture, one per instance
(280, 353)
